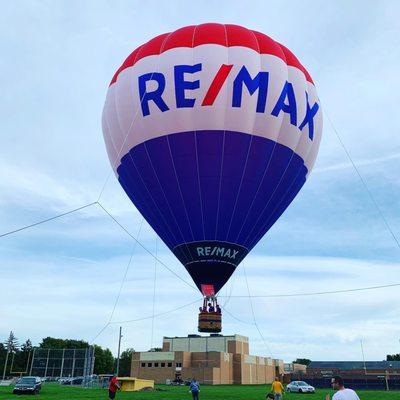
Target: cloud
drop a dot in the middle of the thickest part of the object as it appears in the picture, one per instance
(358, 163)
(28, 187)
(69, 289)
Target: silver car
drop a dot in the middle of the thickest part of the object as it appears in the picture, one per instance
(300, 387)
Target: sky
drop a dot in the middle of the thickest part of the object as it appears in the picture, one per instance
(71, 277)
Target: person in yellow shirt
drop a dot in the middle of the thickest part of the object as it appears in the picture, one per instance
(277, 389)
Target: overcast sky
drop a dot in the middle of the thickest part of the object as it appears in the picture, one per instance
(62, 278)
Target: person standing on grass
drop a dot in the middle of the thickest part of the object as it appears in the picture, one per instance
(277, 389)
(341, 392)
(113, 387)
(194, 388)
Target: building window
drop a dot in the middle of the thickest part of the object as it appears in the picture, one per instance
(149, 364)
(156, 365)
(179, 364)
(143, 365)
(169, 364)
(162, 365)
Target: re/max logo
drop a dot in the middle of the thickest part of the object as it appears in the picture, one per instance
(286, 102)
(216, 251)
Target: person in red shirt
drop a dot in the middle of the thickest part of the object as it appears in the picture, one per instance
(113, 387)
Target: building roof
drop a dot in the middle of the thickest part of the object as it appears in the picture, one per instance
(212, 335)
(350, 365)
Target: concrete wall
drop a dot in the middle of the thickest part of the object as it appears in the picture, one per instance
(212, 368)
(237, 347)
(227, 344)
(203, 375)
(166, 346)
(252, 370)
(220, 363)
(157, 355)
(226, 369)
(158, 373)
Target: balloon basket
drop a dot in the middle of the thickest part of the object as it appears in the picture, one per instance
(210, 322)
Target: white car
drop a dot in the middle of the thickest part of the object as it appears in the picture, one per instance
(300, 387)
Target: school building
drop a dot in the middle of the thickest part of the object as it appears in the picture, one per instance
(214, 359)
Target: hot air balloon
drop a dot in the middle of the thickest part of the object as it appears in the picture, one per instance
(212, 130)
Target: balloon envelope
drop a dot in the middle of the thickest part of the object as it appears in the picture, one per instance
(212, 130)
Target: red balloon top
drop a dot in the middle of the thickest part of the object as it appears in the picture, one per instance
(212, 33)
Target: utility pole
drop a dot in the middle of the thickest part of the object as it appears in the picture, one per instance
(365, 367)
(5, 364)
(9, 349)
(119, 348)
(362, 352)
(33, 359)
(387, 379)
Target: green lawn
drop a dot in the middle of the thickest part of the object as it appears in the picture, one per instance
(223, 392)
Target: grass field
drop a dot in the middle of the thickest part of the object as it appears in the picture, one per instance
(222, 392)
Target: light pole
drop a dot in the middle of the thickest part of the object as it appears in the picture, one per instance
(5, 364)
(365, 367)
(119, 348)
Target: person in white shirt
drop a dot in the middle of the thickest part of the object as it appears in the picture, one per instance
(341, 392)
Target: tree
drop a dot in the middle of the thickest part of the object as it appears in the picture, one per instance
(27, 346)
(11, 343)
(393, 357)
(54, 343)
(303, 361)
(104, 360)
(3, 355)
(125, 362)
(11, 346)
(156, 349)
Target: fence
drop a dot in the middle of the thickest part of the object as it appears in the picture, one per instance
(59, 363)
(361, 382)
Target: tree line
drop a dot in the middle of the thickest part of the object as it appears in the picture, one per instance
(19, 357)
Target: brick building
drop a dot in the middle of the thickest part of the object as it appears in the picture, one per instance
(213, 359)
(326, 369)
(294, 368)
(379, 375)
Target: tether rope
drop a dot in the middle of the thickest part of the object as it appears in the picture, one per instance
(154, 295)
(254, 315)
(126, 273)
(145, 248)
(363, 182)
(315, 293)
(158, 314)
(47, 220)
